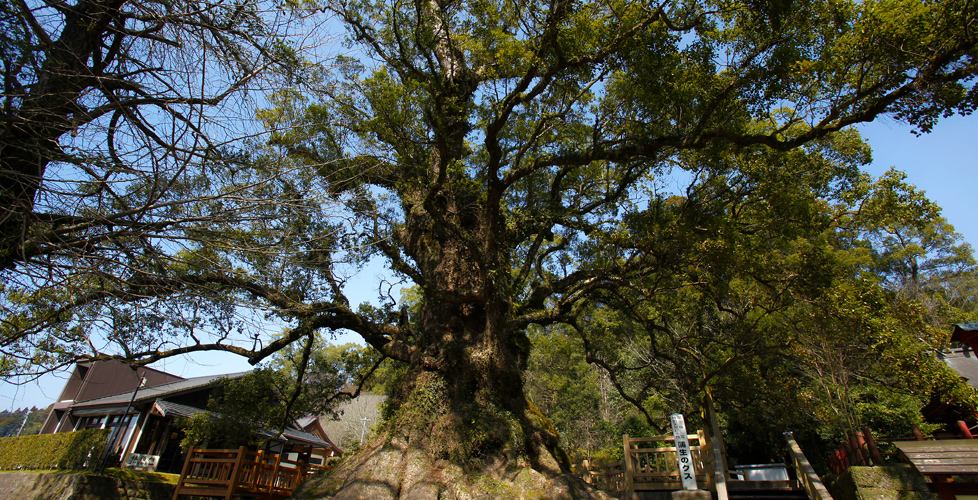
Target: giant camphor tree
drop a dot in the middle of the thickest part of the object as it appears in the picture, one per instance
(518, 162)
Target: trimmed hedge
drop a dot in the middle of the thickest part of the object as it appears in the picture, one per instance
(67, 450)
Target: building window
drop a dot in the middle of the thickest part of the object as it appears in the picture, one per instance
(90, 423)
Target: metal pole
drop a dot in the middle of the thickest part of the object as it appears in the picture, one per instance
(22, 424)
(363, 428)
(108, 445)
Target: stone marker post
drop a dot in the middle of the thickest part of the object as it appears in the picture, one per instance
(687, 470)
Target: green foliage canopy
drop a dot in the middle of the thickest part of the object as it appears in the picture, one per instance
(657, 168)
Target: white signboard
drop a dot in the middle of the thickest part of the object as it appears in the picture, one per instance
(686, 470)
(139, 461)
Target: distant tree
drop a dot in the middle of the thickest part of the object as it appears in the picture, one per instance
(914, 247)
(9, 423)
(574, 395)
(355, 421)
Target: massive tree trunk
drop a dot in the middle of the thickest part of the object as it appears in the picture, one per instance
(30, 142)
(462, 430)
(459, 424)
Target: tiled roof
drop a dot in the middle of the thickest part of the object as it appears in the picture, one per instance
(167, 408)
(304, 421)
(964, 362)
(297, 435)
(157, 391)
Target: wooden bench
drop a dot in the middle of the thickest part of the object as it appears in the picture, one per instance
(234, 473)
(939, 460)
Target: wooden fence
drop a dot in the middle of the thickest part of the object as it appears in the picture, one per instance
(229, 473)
(609, 477)
(651, 463)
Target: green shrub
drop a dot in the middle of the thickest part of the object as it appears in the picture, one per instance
(69, 450)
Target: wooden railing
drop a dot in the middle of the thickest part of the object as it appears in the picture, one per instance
(609, 477)
(651, 463)
(806, 475)
(229, 473)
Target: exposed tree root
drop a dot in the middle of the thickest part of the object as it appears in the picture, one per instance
(394, 470)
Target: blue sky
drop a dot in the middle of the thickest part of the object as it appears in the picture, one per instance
(943, 163)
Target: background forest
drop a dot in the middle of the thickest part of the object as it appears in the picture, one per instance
(21, 422)
(862, 352)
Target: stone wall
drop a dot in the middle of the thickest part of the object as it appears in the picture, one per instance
(55, 486)
(889, 482)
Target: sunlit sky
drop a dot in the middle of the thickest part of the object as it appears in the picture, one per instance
(943, 163)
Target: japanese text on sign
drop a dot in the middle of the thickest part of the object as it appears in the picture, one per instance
(686, 470)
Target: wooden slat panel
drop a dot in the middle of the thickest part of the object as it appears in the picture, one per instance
(948, 469)
(659, 486)
(949, 460)
(939, 446)
(942, 454)
(957, 457)
(201, 491)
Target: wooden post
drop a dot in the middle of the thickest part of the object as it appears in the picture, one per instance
(874, 451)
(839, 462)
(847, 458)
(916, 432)
(236, 472)
(301, 471)
(719, 451)
(857, 454)
(183, 472)
(271, 483)
(701, 459)
(256, 470)
(863, 449)
(629, 472)
(965, 431)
